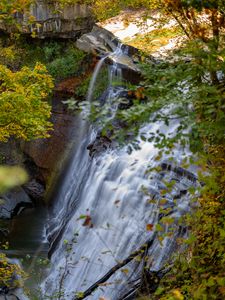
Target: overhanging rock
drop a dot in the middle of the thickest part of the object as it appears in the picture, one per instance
(102, 42)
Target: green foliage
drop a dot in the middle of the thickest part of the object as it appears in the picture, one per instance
(62, 59)
(10, 56)
(82, 89)
(50, 50)
(100, 87)
(23, 113)
(188, 87)
(9, 7)
(193, 84)
(199, 272)
(67, 65)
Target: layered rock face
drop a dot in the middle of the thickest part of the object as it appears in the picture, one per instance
(51, 20)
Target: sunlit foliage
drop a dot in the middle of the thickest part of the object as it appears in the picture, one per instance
(11, 275)
(8, 9)
(23, 113)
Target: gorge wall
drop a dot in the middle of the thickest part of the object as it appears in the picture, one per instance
(49, 19)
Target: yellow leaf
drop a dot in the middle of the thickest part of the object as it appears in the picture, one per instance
(177, 294)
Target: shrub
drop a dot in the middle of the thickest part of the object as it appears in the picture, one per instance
(67, 65)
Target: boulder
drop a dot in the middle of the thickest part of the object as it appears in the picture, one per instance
(98, 41)
(13, 203)
(100, 145)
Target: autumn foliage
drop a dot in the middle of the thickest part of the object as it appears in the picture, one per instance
(23, 113)
(10, 7)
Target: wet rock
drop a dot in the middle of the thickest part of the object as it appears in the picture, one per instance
(126, 100)
(4, 290)
(125, 103)
(4, 230)
(132, 76)
(102, 42)
(179, 171)
(10, 153)
(35, 190)
(46, 154)
(101, 144)
(13, 203)
(123, 60)
(33, 171)
(3, 233)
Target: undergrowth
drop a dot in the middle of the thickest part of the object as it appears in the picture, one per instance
(61, 58)
(199, 272)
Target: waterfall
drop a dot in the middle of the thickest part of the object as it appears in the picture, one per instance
(115, 70)
(104, 206)
(95, 76)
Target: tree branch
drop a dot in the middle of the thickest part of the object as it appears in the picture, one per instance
(92, 288)
(179, 23)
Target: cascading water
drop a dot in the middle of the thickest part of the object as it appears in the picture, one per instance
(103, 207)
(95, 76)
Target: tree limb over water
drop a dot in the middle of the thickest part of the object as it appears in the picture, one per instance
(121, 264)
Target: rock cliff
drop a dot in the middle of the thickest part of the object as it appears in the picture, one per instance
(51, 20)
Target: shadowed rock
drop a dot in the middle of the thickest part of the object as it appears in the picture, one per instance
(101, 144)
(13, 202)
